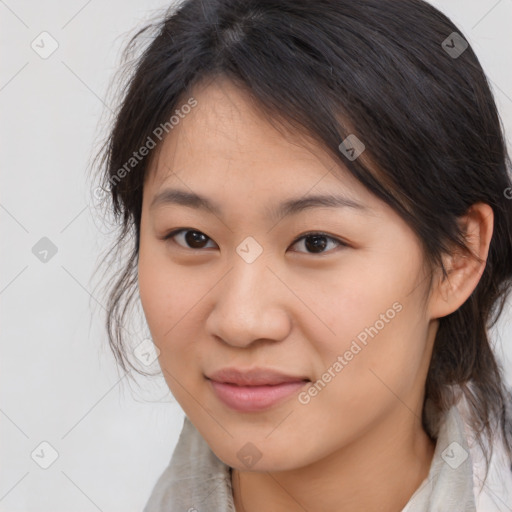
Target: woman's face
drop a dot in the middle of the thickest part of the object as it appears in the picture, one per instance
(244, 288)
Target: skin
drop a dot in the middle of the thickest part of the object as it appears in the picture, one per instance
(358, 444)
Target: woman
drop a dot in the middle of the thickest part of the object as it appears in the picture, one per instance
(318, 193)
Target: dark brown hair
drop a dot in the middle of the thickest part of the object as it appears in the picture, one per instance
(392, 73)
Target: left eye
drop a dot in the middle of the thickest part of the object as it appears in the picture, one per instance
(315, 242)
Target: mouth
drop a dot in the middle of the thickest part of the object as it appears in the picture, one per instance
(254, 390)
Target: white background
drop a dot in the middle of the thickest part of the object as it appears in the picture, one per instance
(59, 383)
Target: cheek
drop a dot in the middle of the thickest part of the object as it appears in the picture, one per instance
(164, 292)
(171, 298)
(372, 320)
(156, 302)
(167, 300)
(349, 301)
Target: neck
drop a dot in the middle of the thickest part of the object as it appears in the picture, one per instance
(377, 472)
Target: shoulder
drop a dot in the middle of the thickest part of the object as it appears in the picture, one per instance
(494, 493)
(194, 477)
(456, 478)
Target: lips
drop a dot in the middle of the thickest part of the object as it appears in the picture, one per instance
(254, 377)
(254, 390)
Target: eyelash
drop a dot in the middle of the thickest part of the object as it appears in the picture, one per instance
(340, 243)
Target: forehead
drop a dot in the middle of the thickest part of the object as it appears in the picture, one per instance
(227, 143)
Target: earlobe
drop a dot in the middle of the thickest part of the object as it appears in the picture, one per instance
(464, 270)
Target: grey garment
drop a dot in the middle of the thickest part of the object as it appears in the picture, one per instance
(196, 480)
(449, 486)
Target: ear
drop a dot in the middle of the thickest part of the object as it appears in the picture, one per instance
(464, 272)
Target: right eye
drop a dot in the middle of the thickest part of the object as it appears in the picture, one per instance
(190, 238)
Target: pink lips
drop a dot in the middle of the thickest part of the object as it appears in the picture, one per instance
(255, 389)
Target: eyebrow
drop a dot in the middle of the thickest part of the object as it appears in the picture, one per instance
(288, 207)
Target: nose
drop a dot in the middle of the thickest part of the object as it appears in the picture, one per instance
(250, 304)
